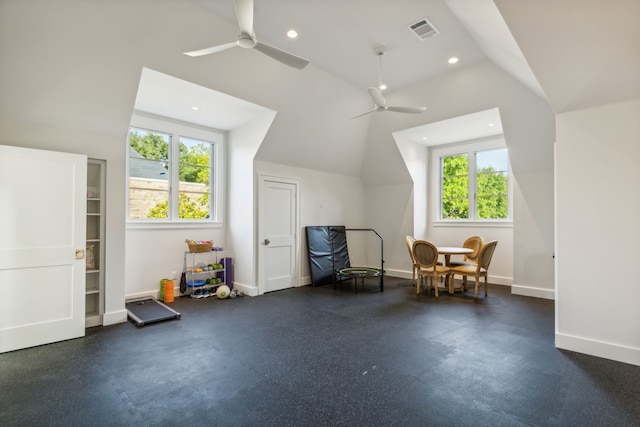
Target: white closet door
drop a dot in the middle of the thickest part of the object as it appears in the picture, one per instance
(42, 243)
(278, 225)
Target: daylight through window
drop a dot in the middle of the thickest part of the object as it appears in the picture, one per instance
(474, 185)
(171, 176)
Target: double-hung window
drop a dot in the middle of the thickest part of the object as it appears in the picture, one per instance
(472, 182)
(174, 172)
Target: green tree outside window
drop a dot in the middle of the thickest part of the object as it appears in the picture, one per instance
(491, 185)
(194, 167)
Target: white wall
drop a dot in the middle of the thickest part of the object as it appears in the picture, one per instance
(419, 165)
(326, 199)
(445, 234)
(155, 253)
(60, 90)
(242, 196)
(597, 231)
(416, 158)
(501, 269)
(98, 147)
(390, 211)
(529, 130)
(533, 265)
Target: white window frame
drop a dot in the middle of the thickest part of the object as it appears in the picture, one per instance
(470, 149)
(177, 130)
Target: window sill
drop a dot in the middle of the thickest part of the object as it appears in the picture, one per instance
(167, 225)
(474, 224)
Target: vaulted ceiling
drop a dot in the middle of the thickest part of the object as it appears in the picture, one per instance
(341, 38)
(584, 52)
(77, 64)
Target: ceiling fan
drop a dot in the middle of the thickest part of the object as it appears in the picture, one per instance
(247, 39)
(378, 99)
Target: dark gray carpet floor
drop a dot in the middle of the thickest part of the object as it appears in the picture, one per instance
(315, 356)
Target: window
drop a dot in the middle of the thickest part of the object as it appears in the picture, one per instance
(174, 171)
(492, 183)
(472, 183)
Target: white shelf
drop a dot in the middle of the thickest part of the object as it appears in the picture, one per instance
(94, 290)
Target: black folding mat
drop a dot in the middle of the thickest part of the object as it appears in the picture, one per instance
(327, 251)
(143, 311)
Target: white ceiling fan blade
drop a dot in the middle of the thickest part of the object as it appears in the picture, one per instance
(244, 15)
(364, 114)
(282, 56)
(376, 94)
(413, 110)
(213, 49)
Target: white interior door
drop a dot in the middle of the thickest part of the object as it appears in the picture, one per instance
(42, 224)
(278, 237)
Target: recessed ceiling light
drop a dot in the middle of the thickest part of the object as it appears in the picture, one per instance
(292, 34)
(491, 124)
(452, 60)
(195, 108)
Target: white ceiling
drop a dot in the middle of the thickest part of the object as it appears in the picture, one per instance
(457, 129)
(168, 96)
(340, 37)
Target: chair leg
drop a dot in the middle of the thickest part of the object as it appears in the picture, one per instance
(435, 280)
(485, 285)
(477, 286)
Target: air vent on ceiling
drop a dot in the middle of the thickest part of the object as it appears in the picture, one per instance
(423, 29)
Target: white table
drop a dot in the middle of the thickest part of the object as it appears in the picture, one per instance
(447, 251)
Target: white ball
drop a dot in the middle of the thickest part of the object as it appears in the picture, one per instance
(223, 291)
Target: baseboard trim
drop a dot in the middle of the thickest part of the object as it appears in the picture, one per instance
(402, 274)
(153, 294)
(407, 274)
(113, 317)
(531, 291)
(493, 280)
(251, 291)
(596, 348)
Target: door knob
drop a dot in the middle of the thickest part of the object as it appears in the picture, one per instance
(267, 241)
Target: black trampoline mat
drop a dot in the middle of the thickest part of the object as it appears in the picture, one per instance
(149, 310)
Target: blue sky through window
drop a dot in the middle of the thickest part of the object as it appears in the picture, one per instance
(495, 158)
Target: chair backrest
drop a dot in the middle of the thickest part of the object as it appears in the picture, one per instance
(484, 259)
(475, 243)
(426, 253)
(409, 240)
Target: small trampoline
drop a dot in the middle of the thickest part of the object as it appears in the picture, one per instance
(329, 257)
(361, 273)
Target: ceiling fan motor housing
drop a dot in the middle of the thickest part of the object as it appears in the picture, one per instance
(246, 41)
